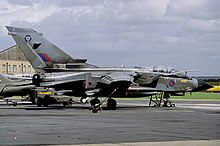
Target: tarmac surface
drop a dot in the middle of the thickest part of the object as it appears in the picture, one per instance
(133, 123)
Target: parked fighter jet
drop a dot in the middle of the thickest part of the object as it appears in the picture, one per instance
(10, 88)
(109, 82)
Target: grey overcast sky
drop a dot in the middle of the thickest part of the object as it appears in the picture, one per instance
(177, 33)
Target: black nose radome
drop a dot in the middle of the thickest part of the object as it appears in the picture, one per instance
(202, 85)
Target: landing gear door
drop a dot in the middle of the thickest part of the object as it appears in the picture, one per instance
(90, 82)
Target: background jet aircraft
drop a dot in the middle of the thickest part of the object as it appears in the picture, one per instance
(10, 88)
(109, 82)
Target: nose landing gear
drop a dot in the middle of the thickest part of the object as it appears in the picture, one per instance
(161, 99)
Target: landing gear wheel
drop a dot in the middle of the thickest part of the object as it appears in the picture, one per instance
(46, 100)
(40, 101)
(165, 104)
(111, 104)
(95, 103)
(94, 110)
(65, 103)
(14, 103)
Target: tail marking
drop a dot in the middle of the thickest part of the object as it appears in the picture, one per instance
(45, 57)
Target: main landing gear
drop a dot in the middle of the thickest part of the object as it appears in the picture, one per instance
(161, 99)
(96, 105)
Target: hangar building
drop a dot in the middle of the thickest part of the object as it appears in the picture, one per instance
(13, 61)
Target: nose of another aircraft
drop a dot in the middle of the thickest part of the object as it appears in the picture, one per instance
(202, 85)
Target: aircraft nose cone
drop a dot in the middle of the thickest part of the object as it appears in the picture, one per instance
(202, 85)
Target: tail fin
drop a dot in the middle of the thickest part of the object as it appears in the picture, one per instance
(3, 79)
(38, 50)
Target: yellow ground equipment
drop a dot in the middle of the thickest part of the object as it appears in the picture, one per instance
(214, 89)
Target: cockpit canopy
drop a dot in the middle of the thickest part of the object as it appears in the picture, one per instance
(161, 69)
(168, 71)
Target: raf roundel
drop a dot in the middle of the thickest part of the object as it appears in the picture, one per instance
(171, 83)
(27, 38)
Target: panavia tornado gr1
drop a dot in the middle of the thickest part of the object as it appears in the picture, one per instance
(58, 69)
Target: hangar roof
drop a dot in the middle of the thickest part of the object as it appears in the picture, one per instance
(12, 53)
